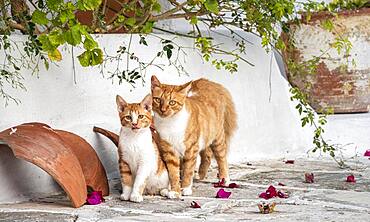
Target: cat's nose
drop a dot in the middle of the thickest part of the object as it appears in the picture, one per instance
(163, 109)
(134, 124)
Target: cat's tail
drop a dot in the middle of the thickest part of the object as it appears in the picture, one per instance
(230, 118)
(110, 135)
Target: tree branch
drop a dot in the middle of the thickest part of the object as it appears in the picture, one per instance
(17, 26)
(170, 12)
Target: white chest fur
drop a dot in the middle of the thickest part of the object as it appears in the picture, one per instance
(137, 149)
(172, 129)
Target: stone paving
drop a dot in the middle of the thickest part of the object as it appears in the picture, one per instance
(330, 198)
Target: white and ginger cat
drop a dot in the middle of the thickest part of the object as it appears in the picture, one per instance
(202, 123)
(141, 168)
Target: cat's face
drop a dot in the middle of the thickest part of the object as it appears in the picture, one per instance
(135, 116)
(168, 99)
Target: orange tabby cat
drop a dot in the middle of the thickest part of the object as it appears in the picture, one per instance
(141, 167)
(188, 125)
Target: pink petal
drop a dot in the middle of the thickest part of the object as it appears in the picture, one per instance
(94, 198)
(351, 179)
(271, 191)
(194, 205)
(220, 183)
(281, 184)
(223, 194)
(289, 162)
(309, 177)
(264, 196)
(367, 153)
(233, 185)
(282, 195)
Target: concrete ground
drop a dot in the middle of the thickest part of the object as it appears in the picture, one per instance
(330, 198)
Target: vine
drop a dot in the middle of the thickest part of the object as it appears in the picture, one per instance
(49, 24)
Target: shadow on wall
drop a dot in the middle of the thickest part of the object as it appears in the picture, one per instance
(108, 152)
(22, 180)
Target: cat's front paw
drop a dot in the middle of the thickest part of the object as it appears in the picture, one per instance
(164, 192)
(187, 191)
(173, 195)
(126, 192)
(136, 197)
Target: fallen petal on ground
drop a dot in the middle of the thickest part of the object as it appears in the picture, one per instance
(223, 194)
(309, 177)
(351, 179)
(194, 205)
(94, 198)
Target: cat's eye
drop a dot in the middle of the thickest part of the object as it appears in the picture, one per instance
(128, 118)
(172, 102)
(140, 116)
(157, 100)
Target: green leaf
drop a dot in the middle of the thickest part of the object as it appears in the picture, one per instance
(194, 20)
(156, 7)
(147, 28)
(73, 36)
(46, 63)
(39, 17)
(327, 24)
(130, 21)
(212, 6)
(84, 58)
(90, 43)
(120, 19)
(85, 5)
(56, 38)
(143, 41)
(55, 55)
(91, 58)
(46, 44)
(66, 15)
(96, 57)
(169, 53)
(53, 4)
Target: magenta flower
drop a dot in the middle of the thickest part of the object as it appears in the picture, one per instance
(351, 179)
(282, 195)
(94, 198)
(367, 153)
(223, 194)
(233, 185)
(264, 196)
(194, 205)
(221, 183)
(309, 177)
(271, 192)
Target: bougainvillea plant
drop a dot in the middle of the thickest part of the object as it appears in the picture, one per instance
(49, 24)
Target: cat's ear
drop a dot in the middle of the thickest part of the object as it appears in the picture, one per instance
(155, 82)
(184, 89)
(121, 103)
(147, 103)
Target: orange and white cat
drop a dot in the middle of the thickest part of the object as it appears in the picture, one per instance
(188, 125)
(141, 168)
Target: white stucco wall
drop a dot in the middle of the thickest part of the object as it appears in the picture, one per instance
(268, 128)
